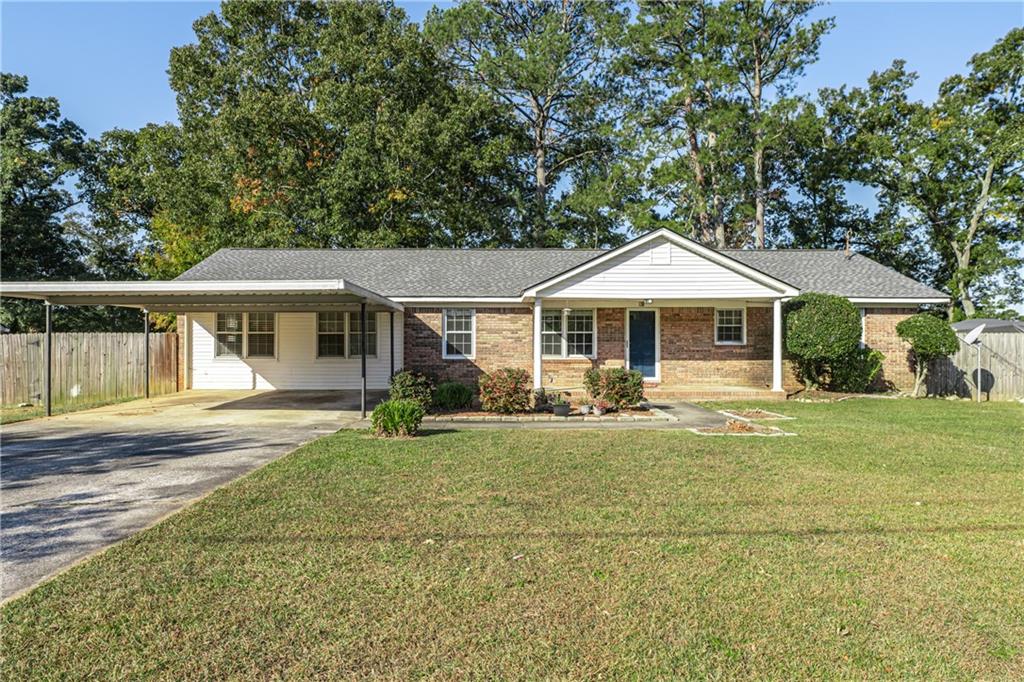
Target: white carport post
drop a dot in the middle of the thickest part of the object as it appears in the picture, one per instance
(362, 358)
(536, 342)
(777, 344)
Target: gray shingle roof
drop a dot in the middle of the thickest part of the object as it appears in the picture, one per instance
(507, 272)
(833, 272)
(399, 272)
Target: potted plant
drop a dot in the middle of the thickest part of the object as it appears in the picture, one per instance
(560, 407)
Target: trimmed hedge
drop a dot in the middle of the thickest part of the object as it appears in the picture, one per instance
(930, 339)
(452, 395)
(506, 390)
(820, 328)
(616, 386)
(397, 418)
(409, 385)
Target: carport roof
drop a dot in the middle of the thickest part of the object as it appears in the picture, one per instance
(180, 295)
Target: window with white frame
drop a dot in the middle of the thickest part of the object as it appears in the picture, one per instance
(260, 335)
(330, 334)
(567, 333)
(729, 326)
(230, 335)
(458, 332)
(338, 335)
(355, 338)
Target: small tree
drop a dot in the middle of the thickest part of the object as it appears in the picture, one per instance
(930, 338)
(820, 328)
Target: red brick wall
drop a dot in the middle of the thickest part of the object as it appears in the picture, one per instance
(504, 338)
(880, 334)
(689, 356)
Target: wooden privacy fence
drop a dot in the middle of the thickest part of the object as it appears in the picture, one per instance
(87, 367)
(1002, 369)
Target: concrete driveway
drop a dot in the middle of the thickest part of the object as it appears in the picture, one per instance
(74, 484)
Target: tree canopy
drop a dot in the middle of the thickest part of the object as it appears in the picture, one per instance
(540, 123)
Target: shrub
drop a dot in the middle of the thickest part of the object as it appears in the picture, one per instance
(397, 418)
(856, 372)
(930, 339)
(820, 328)
(616, 386)
(505, 390)
(410, 385)
(452, 395)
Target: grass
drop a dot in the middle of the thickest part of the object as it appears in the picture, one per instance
(13, 413)
(887, 540)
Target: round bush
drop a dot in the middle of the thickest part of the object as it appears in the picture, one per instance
(397, 418)
(930, 339)
(856, 371)
(820, 328)
(452, 395)
(409, 385)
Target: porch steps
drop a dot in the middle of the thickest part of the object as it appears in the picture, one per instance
(712, 393)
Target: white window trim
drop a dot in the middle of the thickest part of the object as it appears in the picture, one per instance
(743, 330)
(564, 355)
(444, 335)
(346, 338)
(244, 355)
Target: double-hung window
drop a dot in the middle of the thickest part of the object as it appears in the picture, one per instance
(229, 335)
(338, 335)
(251, 333)
(730, 326)
(355, 338)
(458, 332)
(330, 334)
(567, 333)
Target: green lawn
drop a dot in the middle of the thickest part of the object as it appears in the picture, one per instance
(886, 540)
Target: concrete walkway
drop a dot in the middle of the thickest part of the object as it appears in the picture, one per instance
(76, 483)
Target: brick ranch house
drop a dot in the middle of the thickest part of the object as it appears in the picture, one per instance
(696, 321)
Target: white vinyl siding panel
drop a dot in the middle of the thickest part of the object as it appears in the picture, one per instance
(296, 365)
(658, 270)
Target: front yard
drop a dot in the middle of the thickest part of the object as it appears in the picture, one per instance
(887, 540)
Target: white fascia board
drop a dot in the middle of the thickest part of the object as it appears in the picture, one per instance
(47, 290)
(898, 301)
(682, 242)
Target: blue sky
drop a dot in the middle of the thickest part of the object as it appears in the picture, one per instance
(107, 62)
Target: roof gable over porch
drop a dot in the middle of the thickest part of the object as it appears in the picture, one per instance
(662, 265)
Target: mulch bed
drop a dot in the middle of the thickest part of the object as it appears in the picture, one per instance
(757, 413)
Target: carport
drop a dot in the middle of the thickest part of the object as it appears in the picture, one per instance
(184, 297)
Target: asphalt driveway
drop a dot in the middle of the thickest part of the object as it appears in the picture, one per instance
(74, 484)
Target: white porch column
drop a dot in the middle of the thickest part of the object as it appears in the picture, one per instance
(536, 342)
(777, 345)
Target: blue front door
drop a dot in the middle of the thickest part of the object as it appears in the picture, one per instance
(642, 347)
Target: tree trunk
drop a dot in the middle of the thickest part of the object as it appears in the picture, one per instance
(758, 160)
(540, 198)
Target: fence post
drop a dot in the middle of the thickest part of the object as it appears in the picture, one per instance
(48, 352)
(145, 352)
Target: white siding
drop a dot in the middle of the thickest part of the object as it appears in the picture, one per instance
(296, 365)
(659, 270)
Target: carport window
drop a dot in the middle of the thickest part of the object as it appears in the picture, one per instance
(330, 334)
(355, 339)
(260, 341)
(229, 335)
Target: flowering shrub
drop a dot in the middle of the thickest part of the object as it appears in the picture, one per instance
(616, 386)
(505, 390)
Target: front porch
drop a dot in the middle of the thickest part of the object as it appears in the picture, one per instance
(714, 349)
